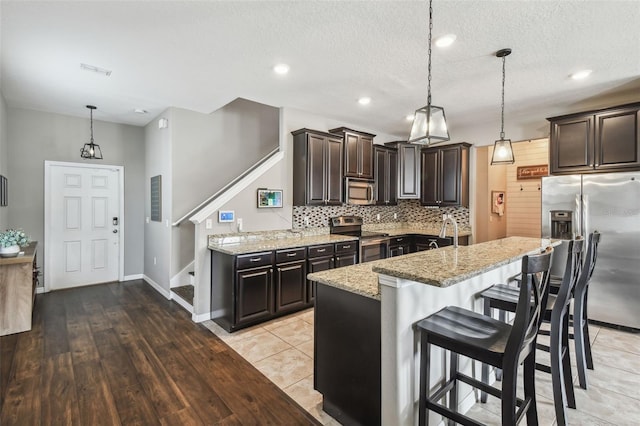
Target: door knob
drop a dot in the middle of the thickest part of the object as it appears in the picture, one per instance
(115, 231)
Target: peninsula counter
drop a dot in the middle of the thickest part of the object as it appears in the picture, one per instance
(406, 289)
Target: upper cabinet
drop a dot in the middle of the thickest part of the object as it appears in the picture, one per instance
(445, 176)
(358, 152)
(408, 169)
(317, 168)
(596, 141)
(386, 175)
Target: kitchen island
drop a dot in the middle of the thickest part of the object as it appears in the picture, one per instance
(405, 290)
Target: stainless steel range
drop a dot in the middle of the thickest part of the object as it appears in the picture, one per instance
(373, 245)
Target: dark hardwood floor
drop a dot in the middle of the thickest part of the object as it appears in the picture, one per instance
(120, 353)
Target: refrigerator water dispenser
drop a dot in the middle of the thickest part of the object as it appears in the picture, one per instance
(562, 224)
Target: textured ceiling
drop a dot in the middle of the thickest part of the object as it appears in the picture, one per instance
(202, 55)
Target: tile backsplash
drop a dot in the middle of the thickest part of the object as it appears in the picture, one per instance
(406, 211)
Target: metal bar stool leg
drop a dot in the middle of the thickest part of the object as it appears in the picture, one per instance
(425, 348)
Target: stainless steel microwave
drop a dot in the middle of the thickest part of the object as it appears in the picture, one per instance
(360, 192)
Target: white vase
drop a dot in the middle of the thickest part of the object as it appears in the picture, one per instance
(11, 251)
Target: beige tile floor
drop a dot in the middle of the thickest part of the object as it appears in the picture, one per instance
(283, 351)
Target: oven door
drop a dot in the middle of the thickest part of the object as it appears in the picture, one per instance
(359, 192)
(373, 249)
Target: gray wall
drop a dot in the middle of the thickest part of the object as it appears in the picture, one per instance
(4, 211)
(35, 136)
(157, 235)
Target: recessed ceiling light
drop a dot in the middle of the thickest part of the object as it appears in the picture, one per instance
(140, 111)
(410, 117)
(95, 69)
(281, 69)
(445, 40)
(364, 101)
(579, 75)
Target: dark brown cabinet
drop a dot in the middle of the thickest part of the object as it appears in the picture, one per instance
(290, 280)
(386, 175)
(445, 176)
(317, 168)
(596, 141)
(358, 152)
(346, 254)
(253, 288)
(399, 246)
(320, 258)
(408, 180)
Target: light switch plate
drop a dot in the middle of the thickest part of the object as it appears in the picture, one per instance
(208, 224)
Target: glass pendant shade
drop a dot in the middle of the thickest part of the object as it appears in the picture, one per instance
(91, 150)
(429, 126)
(502, 152)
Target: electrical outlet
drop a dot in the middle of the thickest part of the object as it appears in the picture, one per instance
(378, 217)
(239, 224)
(155, 261)
(208, 224)
(147, 219)
(395, 215)
(306, 221)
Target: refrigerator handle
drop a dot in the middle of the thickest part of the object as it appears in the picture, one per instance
(577, 216)
(585, 216)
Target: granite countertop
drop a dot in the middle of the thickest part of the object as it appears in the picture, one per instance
(442, 267)
(251, 242)
(292, 240)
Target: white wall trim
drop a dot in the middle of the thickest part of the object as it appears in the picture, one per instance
(180, 301)
(40, 290)
(201, 317)
(236, 189)
(133, 277)
(157, 287)
(182, 277)
(47, 207)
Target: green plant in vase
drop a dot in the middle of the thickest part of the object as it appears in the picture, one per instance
(11, 240)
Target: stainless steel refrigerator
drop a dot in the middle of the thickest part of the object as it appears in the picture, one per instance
(609, 203)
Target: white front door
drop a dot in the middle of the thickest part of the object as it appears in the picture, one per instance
(83, 218)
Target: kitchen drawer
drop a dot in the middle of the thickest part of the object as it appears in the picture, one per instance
(254, 260)
(347, 247)
(291, 255)
(397, 241)
(321, 250)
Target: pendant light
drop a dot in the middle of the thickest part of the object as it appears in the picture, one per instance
(502, 149)
(429, 123)
(91, 151)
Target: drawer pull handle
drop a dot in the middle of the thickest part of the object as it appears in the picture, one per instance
(292, 254)
(321, 250)
(346, 247)
(255, 259)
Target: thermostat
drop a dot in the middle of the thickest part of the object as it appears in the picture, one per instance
(226, 216)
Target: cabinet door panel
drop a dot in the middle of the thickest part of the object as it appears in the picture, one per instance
(409, 175)
(350, 155)
(429, 185)
(316, 171)
(572, 145)
(392, 184)
(450, 177)
(381, 172)
(365, 154)
(254, 294)
(333, 173)
(291, 285)
(619, 139)
(346, 259)
(316, 265)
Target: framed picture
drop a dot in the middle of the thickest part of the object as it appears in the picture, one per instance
(498, 202)
(4, 194)
(269, 198)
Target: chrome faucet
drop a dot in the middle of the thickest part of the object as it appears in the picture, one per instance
(447, 218)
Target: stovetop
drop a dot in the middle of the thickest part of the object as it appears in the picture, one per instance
(352, 226)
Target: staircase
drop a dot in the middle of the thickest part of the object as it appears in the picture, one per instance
(183, 295)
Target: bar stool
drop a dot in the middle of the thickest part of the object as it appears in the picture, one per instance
(480, 337)
(584, 358)
(557, 312)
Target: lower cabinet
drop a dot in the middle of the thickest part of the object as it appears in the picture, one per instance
(399, 246)
(254, 295)
(319, 258)
(346, 254)
(291, 281)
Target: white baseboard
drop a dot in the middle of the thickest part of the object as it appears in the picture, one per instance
(133, 277)
(201, 317)
(180, 301)
(157, 287)
(40, 290)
